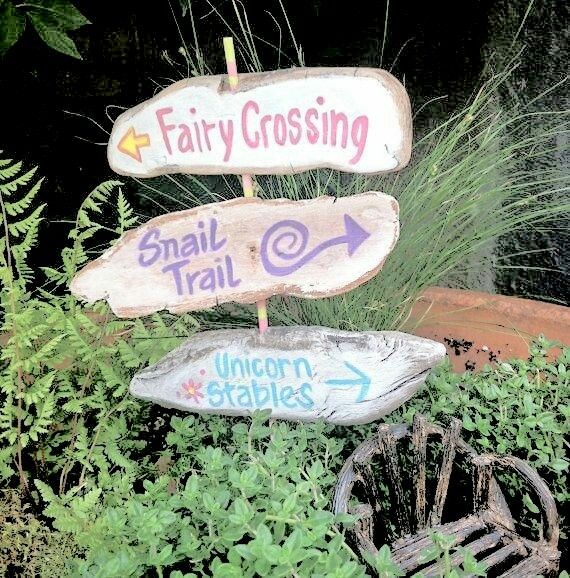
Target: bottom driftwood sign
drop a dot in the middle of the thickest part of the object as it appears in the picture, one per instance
(301, 373)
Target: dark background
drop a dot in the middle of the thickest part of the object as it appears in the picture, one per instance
(438, 49)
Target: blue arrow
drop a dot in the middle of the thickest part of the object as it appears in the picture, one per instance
(363, 380)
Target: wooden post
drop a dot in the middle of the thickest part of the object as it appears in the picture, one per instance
(246, 180)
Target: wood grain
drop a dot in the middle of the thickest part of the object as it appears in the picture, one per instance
(350, 119)
(301, 373)
(243, 250)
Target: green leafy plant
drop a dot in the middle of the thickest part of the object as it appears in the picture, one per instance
(28, 547)
(51, 19)
(65, 367)
(234, 499)
(231, 499)
(520, 407)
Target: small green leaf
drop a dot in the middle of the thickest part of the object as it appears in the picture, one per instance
(559, 465)
(53, 37)
(228, 571)
(13, 23)
(263, 535)
(244, 551)
(530, 504)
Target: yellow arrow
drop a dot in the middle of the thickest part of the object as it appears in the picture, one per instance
(132, 142)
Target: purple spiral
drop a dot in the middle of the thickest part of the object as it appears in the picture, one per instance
(285, 240)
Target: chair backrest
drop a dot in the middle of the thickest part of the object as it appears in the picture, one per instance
(409, 510)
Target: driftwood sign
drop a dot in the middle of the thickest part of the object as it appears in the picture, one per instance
(300, 373)
(350, 119)
(243, 250)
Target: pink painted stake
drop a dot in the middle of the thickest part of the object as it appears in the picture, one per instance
(247, 181)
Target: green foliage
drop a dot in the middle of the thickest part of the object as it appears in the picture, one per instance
(220, 495)
(242, 499)
(247, 498)
(520, 408)
(27, 546)
(51, 19)
(65, 367)
(18, 235)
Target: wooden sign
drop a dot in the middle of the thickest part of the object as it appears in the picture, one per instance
(243, 250)
(301, 373)
(350, 119)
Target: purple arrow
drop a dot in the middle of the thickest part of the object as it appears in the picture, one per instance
(355, 235)
(288, 239)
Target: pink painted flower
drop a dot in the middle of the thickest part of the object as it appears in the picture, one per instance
(192, 390)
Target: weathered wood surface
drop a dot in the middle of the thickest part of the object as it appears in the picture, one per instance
(488, 531)
(301, 373)
(285, 121)
(243, 250)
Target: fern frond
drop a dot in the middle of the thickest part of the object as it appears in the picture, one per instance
(30, 222)
(5, 162)
(18, 207)
(53, 274)
(93, 202)
(127, 218)
(25, 272)
(116, 456)
(31, 237)
(45, 411)
(46, 350)
(11, 170)
(13, 256)
(13, 185)
(109, 374)
(39, 390)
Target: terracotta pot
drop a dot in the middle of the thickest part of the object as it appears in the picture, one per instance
(479, 328)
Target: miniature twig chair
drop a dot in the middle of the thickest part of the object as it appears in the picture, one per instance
(387, 501)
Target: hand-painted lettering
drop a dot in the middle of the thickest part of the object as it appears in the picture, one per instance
(165, 128)
(146, 245)
(227, 134)
(175, 257)
(257, 395)
(268, 367)
(315, 125)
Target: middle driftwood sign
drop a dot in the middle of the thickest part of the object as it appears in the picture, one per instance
(244, 250)
(300, 373)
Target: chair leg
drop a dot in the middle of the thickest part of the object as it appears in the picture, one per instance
(449, 446)
(387, 446)
(419, 448)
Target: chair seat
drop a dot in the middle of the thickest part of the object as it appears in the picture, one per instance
(406, 552)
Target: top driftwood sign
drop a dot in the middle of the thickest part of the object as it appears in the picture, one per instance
(350, 119)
